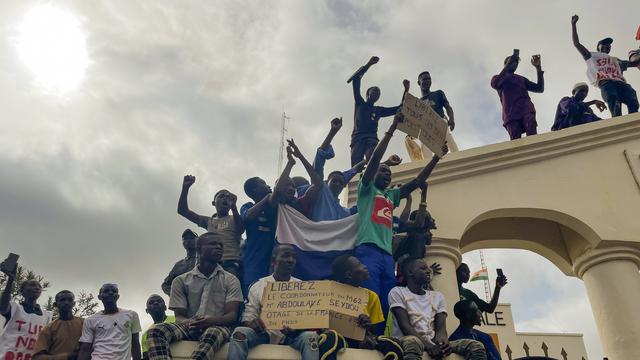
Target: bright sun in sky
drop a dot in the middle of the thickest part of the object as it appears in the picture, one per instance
(52, 45)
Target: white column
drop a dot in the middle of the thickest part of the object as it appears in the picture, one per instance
(446, 252)
(612, 281)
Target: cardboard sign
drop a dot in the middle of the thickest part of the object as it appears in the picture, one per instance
(314, 305)
(420, 121)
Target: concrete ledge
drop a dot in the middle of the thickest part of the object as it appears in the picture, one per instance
(183, 350)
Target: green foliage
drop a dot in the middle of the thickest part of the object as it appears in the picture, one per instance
(86, 305)
(86, 302)
(22, 274)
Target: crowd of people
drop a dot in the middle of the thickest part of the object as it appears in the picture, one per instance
(216, 291)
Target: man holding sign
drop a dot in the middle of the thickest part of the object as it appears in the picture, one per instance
(253, 330)
(439, 103)
(350, 271)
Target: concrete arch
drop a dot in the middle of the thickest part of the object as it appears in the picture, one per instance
(557, 236)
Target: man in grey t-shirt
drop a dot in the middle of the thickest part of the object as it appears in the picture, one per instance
(205, 301)
(226, 221)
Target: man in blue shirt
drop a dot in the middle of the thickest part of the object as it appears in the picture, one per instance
(259, 218)
(469, 315)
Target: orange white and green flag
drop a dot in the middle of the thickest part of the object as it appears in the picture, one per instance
(481, 274)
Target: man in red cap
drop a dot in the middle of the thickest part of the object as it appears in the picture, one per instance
(605, 72)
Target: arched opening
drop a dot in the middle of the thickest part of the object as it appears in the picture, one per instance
(556, 236)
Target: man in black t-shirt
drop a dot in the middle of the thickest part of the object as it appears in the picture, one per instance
(364, 137)
(437, 99)
(440, 104)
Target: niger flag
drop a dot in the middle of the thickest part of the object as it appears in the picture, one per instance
(481, 274)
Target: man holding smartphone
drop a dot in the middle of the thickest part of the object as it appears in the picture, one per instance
(518, 112)
(463, 274)
(25, 319)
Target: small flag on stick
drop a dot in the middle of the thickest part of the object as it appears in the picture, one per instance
(481, 274)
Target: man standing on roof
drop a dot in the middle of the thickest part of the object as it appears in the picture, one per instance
(605, 72)
(518, 112)
(364, 137)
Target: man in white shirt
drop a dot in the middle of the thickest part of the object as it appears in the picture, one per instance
(24, 320)
(419, 318)
(605, 72)
(112, 333)
(253, 331)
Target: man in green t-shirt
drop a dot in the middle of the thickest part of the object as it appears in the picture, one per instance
(462, 274)
(375, 208)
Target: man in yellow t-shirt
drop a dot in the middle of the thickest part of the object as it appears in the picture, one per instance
(157, 308)
(349, 270)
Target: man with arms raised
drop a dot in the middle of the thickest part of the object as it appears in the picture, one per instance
(253, 331)
(24, 319)
(366, 115)
(230, 227)
(605, 72)
(518, 112)
(111, 334)
(59, 339)
(205, 301)
(375, 207)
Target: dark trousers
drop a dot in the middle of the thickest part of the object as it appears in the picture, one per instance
(615, 93)
(361, 148)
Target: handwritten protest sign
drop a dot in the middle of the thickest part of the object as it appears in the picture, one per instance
(420, 121)
(314, 305)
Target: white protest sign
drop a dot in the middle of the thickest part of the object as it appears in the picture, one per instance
(420, 121)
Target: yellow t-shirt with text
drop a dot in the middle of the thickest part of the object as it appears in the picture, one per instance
(374, 309)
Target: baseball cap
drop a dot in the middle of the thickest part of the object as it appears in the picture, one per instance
(605, 41)
(189, 234)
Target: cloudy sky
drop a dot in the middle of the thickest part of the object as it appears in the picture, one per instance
(107, 104)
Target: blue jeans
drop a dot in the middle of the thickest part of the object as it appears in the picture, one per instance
(382, 277)
(615, 93)
(306, 343)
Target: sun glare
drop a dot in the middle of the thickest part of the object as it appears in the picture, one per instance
(51, 43)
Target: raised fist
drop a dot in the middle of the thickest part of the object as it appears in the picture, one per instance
(406, 83)
(394, 160)
(336, 124)
(574, 19)
(373, 60)
(188, 180)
